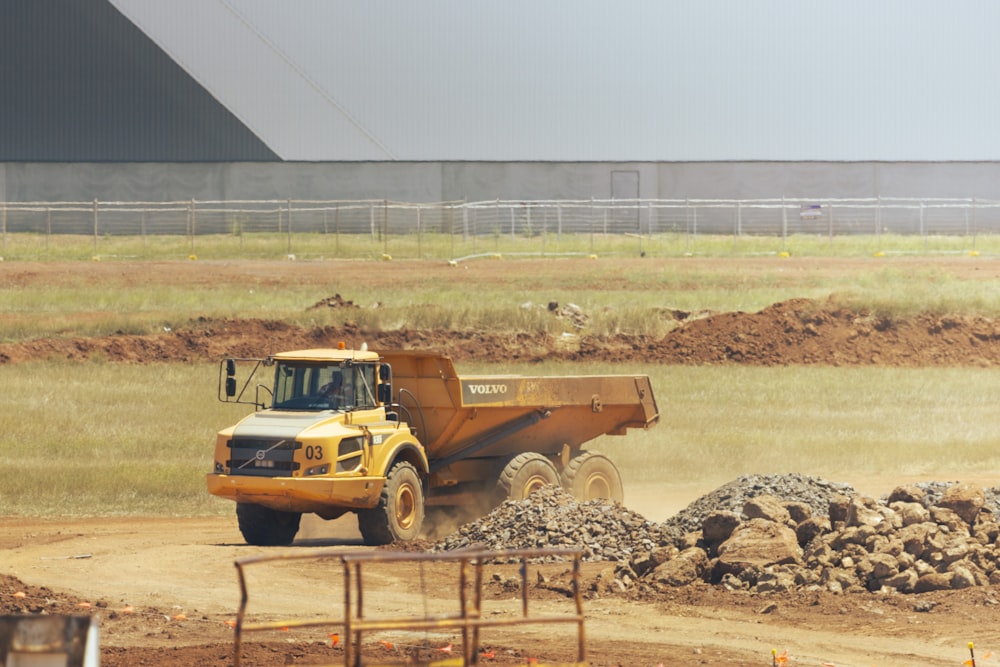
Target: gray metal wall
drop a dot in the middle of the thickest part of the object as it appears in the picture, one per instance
(78, 81)
(478, 181)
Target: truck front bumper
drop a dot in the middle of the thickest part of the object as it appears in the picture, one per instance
(297, 494)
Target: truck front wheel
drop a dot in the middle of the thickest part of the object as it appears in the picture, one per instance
(590, 476)
(264, 527)
(525, 474)
(399, 515)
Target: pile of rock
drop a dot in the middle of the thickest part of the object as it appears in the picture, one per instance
(814, 492)
(551, 517)
(769, 533)
(909, 542)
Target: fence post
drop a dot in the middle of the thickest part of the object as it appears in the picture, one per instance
(923, 235)
(289, 204)
(830, 228)
(48, 228)
(591, 217)
(95, 227)
(691, 227)
(878, 221)
(784, 224)
(336, 228)
(191, 223)
(419, 254)
(465, 224)
(3, 221)
(739, 223)
(974, 228)
(545, 231)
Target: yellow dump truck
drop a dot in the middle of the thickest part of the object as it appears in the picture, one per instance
(385, 434)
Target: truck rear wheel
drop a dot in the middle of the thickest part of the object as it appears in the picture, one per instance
(264, 527)
(590, 476)
(525, 474)
(399, 515)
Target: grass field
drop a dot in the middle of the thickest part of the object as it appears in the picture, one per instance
(619, 295)
(103, 439)
(276, 245)
(106, 439)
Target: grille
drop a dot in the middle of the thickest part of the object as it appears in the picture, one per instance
(262, 457)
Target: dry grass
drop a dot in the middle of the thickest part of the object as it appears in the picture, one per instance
(100, 438)
(103, 439)
(631, 297)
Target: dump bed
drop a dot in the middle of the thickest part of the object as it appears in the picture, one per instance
(507, 414)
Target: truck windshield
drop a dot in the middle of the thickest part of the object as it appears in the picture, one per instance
(315, 386)
(312, 386)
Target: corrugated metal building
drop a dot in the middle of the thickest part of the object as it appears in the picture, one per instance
(449, 99)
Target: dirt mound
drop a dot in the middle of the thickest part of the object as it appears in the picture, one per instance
(799, 331)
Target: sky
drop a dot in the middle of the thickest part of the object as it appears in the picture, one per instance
(628, 80)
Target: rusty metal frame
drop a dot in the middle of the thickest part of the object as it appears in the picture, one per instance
(468, 620)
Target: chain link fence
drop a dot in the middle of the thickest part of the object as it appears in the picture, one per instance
(457, 230)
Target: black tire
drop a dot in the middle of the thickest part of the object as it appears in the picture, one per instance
(264, 527)
(399, 515)
(589, 476)
(524, 474)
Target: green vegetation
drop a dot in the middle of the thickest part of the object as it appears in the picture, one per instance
(109, 439)
(436, 245)
(99, 438)
(636, 296)
(106, 439)
(837, 423)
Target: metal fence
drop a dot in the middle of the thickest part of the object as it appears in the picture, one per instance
(451, 229)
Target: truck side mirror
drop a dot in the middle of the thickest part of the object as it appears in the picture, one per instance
(385, 393)
(384, 372)
(230, 367)
(230, 386)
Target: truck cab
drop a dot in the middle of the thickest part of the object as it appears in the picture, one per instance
(317, 442)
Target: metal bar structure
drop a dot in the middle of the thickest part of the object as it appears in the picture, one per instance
(468, 619)
(517, 227)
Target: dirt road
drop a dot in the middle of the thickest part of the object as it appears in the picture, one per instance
(166, 588)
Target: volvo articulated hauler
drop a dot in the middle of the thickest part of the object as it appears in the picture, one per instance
(386, 434)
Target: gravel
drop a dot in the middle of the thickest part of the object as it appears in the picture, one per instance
(607, 531)
(813, 491)
(551, 517)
